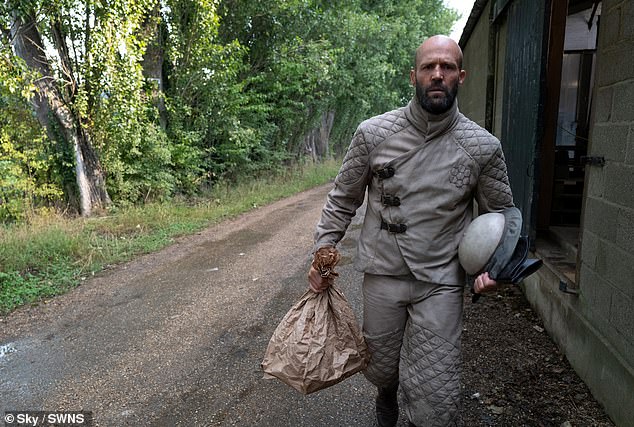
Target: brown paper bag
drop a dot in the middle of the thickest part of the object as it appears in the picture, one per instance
(317, 344)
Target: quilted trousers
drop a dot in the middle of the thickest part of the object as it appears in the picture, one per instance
(412, 329)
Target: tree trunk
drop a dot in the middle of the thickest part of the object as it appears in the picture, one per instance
(316, 143)
(52, 112)
(153, 58)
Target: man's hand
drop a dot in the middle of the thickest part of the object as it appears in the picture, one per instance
(316, 282)
(321, 274)
(483, 284)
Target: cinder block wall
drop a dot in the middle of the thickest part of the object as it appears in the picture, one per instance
(606, 275)
(596, 328)
(606, 278)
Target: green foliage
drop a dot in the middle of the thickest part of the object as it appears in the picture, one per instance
(135, 151)
(17, 289)
(177, 95)
(204, 95)
(37, 260)
(28, 180)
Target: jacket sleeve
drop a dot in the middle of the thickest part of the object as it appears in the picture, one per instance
(493, 192)
(347, 195)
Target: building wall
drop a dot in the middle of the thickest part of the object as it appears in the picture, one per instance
(596, 327)
(472, 95)
(594, 324)
(607, 250)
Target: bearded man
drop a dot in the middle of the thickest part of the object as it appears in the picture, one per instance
(422, 166)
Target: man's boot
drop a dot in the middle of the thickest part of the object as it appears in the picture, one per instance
(387, 406)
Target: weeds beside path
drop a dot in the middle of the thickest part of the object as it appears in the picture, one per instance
(49, 255)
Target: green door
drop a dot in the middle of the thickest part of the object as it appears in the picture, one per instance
(522, 109)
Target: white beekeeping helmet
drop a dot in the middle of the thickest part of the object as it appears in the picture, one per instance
(492, 243)
(481, 238)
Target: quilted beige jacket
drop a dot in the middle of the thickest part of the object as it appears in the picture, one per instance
(422, 173)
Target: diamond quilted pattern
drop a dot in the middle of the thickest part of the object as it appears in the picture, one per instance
(477, 142)
(430, 373)
(367, 137)
(384, 351)
(354, 163)
(487, 152)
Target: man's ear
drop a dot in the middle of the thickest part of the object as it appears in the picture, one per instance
(462, 76)
(412, 77)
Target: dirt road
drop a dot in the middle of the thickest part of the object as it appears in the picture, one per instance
(176, 338)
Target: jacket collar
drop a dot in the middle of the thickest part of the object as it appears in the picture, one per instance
(428, 124)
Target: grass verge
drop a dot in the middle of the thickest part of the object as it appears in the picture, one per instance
(51, 255)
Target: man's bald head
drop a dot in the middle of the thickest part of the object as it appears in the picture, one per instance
(439, 43)
(437, 73)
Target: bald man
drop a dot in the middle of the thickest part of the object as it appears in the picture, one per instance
(422, 166)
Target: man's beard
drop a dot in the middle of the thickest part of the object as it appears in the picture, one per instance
(436, 105)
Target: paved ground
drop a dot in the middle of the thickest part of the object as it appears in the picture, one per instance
(176, 338)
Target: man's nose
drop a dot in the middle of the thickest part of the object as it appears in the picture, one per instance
(437, 73)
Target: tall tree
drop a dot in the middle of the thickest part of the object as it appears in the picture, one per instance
(54, 112)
